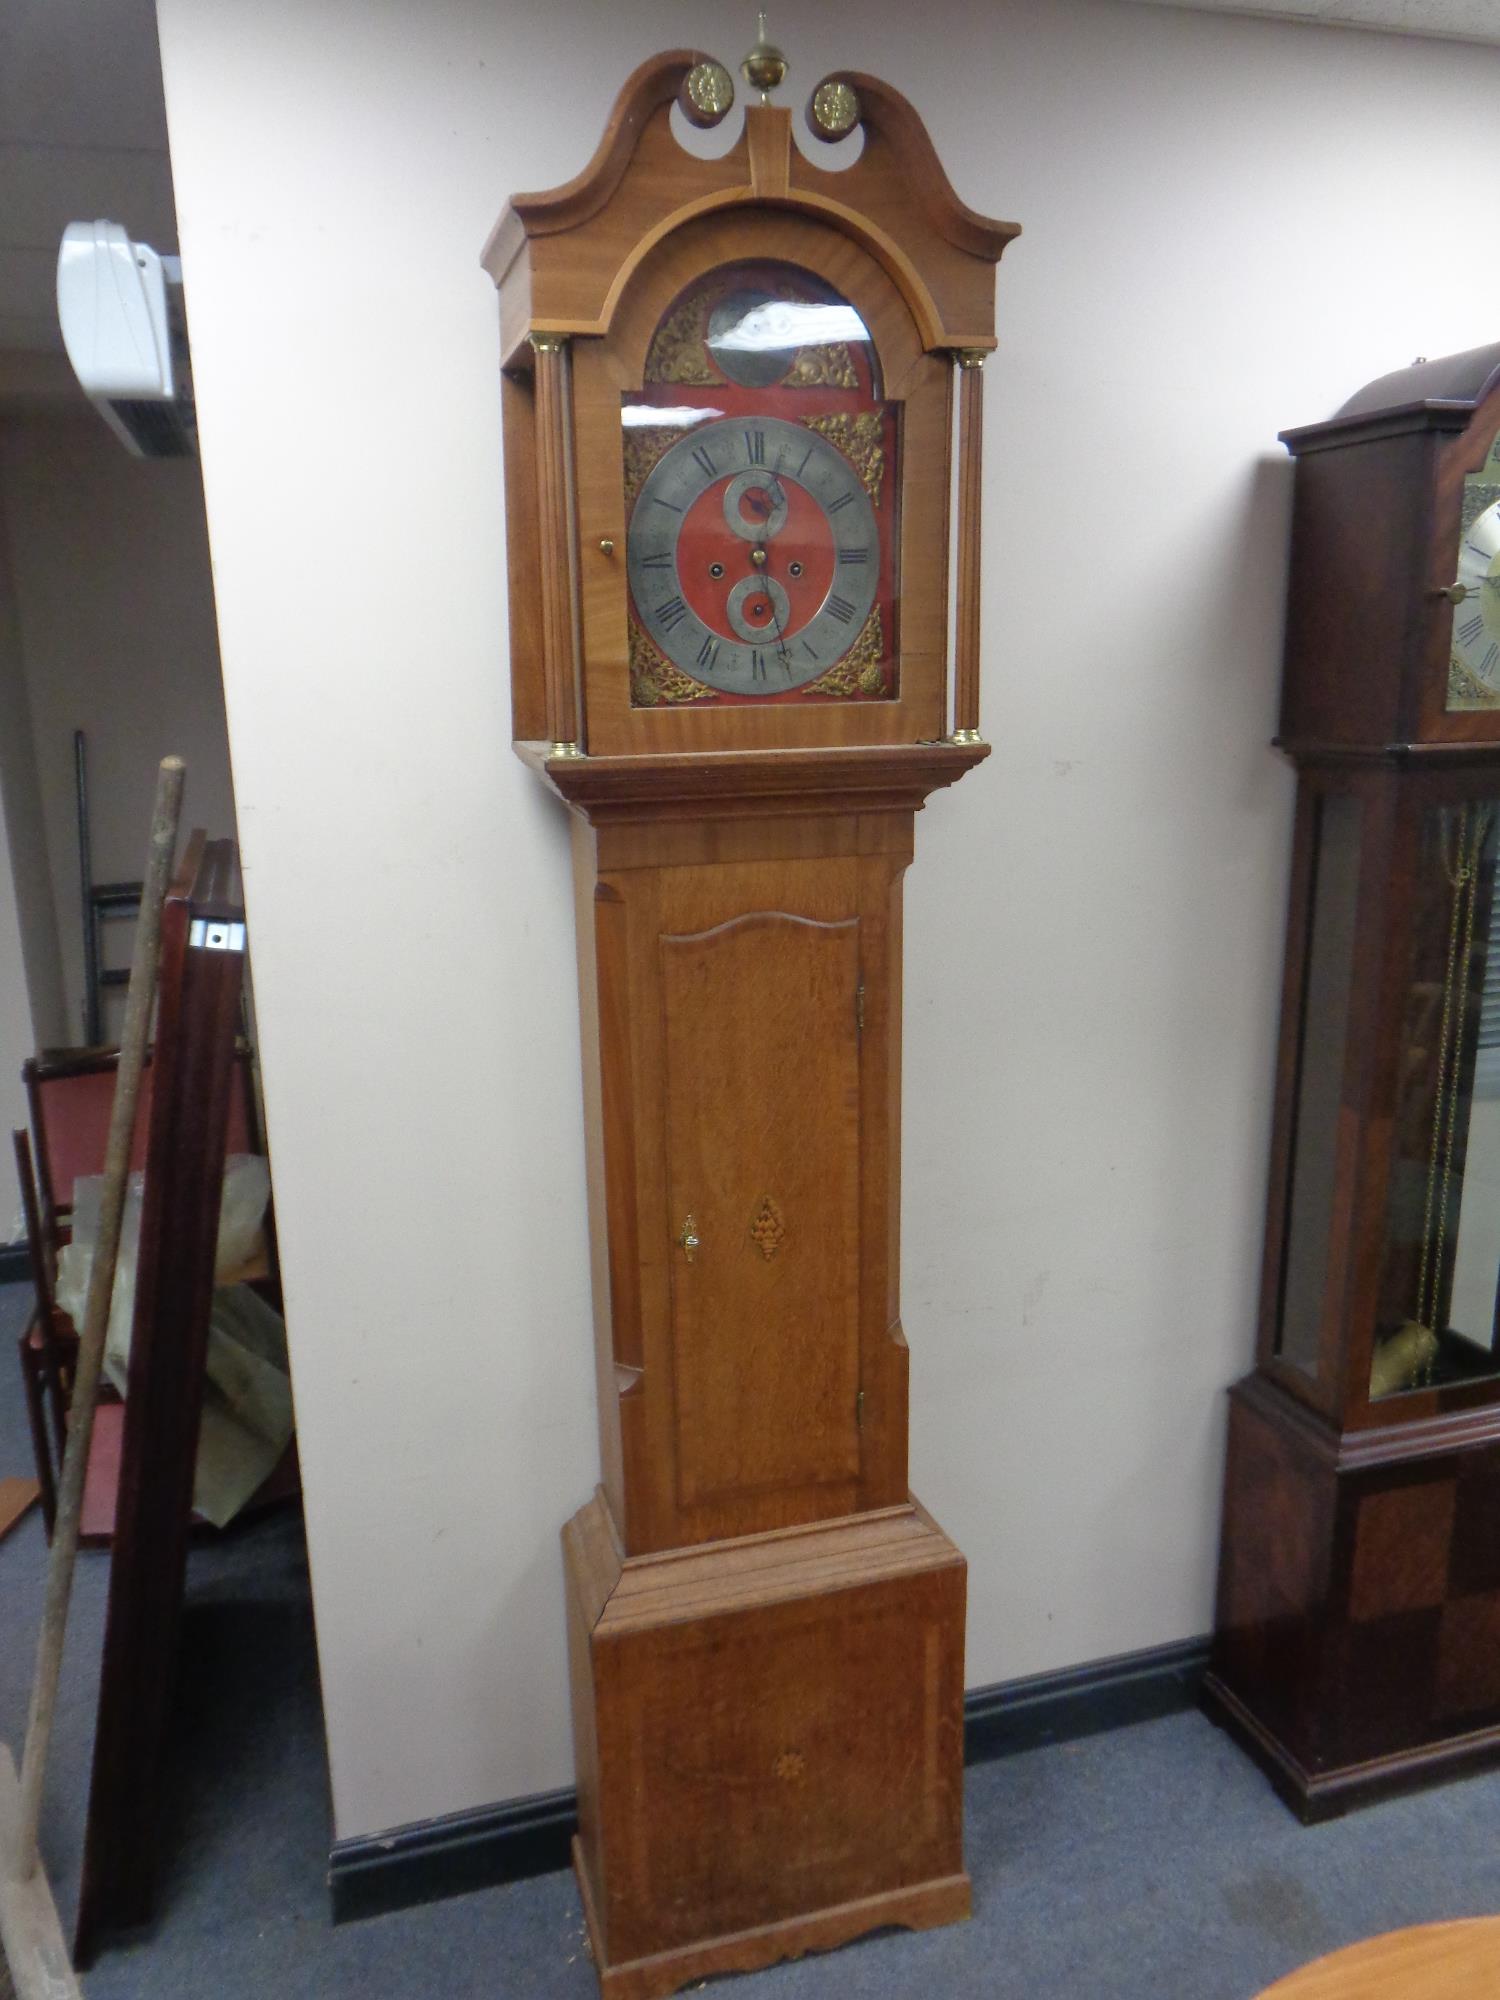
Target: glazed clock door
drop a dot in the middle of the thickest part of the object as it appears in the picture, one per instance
(764, 451)
(762, 1089)
(762, 483)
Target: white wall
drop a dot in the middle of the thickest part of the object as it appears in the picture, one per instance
(1230, 226)
(17, 1037)
(31, 997)
(108, 556)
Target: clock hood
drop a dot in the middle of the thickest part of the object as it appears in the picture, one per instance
(1465, 379)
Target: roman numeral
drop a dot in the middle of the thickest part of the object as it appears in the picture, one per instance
(840, 608)
(810, 651)
(1471, 628)
(708, 652)
(704, 458)
(854, 555)
(840, 500)
(1487, 664)
(757, 665)
(755, 447)
(663, 561)
(803, 466)
(666, 503)
(671, 613)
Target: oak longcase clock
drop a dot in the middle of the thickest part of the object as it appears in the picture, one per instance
(729, 401)
(1358, 1635)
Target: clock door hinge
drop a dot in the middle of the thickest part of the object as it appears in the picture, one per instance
(859, 1007)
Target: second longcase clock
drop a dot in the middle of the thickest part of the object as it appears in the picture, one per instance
(729, 407)
(1358, 1640)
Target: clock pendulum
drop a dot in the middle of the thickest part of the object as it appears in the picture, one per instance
(728, 399)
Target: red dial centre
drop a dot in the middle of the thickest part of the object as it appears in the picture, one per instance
(800, 557)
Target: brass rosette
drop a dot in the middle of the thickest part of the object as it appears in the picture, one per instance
(707, 93)
(833, 110)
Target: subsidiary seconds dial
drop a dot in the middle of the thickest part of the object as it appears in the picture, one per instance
(753, 555)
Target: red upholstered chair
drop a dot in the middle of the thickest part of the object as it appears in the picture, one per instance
(70, 1093)
(48, 1344)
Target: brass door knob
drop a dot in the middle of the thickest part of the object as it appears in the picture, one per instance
(689, 1239)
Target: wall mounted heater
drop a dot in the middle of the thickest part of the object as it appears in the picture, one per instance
(123, 324)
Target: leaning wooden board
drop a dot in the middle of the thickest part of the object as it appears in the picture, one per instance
(198, 1017)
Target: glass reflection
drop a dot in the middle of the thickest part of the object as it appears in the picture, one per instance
(1332, 909)
(1437, 1321)
(755, 337)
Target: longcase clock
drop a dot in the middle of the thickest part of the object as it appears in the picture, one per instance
(1358, 1636)
(729, 402)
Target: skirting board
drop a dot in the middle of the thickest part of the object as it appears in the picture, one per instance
(432, 1858)
(15, 1263)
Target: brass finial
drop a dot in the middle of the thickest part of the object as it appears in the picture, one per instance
(765, 66)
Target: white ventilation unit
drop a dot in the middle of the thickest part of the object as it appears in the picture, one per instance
(120, 306)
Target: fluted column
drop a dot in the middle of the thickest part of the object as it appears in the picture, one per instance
(970, 462)
(557, 509)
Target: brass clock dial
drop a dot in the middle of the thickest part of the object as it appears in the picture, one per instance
(753, 555)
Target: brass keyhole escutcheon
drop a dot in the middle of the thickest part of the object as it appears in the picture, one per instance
(689, 1239)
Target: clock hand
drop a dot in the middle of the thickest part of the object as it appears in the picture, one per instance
(780, 636)
(758, 561)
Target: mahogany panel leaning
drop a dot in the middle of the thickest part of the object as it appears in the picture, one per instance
(1357, 1643)
(194, 1075)
(729, 410)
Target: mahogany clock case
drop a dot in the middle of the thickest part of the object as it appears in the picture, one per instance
(1377, 513)
(1359, 1588)
(1359, 1583)
(765, 1630)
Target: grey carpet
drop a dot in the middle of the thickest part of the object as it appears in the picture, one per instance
(1152, 1863)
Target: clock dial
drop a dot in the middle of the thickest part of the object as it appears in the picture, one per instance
(761, 475)
(753, 555)
(1476, 619)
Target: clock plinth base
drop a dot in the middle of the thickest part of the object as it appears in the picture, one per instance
(1316, 1797)
(769, 1738)
(1359, 1592)
(926, 1907)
